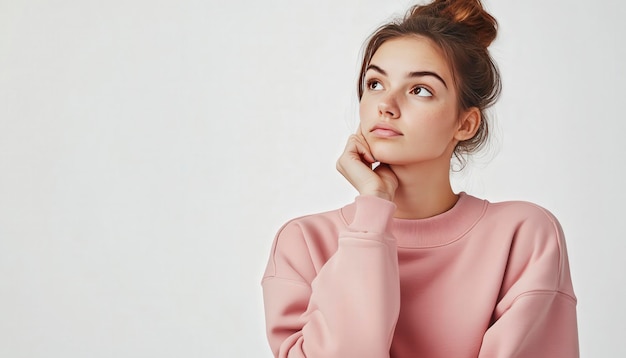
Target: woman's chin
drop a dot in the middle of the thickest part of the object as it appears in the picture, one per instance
(388, 152)
(387, 158)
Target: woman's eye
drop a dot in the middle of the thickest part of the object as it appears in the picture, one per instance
(421, 91)
(374, 85)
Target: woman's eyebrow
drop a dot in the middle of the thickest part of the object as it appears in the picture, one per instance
(410, 74)
(427, 73)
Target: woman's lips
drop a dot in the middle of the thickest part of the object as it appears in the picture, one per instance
(384, 131)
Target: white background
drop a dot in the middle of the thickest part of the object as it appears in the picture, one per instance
(149, 151)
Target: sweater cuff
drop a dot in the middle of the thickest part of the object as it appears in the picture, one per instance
(373, 214)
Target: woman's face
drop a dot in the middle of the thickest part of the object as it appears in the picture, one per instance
(409, 105)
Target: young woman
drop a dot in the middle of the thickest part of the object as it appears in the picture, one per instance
(411, 269)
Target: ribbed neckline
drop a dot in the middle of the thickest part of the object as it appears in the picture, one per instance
(437, 230)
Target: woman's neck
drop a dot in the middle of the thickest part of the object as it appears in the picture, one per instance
(423, 191)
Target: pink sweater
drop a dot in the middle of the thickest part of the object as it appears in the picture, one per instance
(480, 280)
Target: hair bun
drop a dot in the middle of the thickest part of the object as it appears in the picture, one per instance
(470, 13)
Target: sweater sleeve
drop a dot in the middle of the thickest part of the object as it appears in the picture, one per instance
(536, 312)
(351, 306)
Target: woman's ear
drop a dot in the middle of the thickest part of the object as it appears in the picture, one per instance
(468, 124)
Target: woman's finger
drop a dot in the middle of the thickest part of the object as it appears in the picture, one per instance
(359, 147)
(362, 139)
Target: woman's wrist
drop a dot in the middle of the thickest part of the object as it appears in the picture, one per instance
(379, 194)
(373, 214)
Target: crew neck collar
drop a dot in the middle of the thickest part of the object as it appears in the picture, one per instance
(437, 230)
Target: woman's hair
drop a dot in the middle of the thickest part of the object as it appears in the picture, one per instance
(463, 30)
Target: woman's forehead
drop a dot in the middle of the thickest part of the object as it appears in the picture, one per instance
(407, 54)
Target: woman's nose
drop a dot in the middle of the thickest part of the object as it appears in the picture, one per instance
(388, 107)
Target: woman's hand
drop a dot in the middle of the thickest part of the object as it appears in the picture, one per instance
(355, 164)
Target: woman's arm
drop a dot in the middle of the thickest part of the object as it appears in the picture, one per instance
(351, 307)
(538, 324)
(536, 311)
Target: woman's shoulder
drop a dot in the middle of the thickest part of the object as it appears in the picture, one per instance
(314, 229)
(304, 243)
(525, 223)
(520, 211)
(318, 220)
(536, 243)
